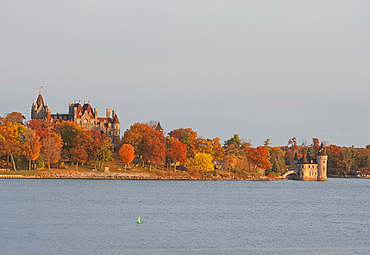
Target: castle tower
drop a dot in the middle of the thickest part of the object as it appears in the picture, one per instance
(39, 109)
(322, 162)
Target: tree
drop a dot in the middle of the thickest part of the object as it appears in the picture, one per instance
(175, 151)
(154, 150)
(348, 157)
(233, 140)
(188, 137)
(210, 146)
(68, 130)
(335, 162)
(277, 160)
(136, 136)
(127, 154)
(231, 158)
(42, 127)
(104, 152)
(51, 150)
(202, 162)
(12, 134)
(93, 140)
(31, 146)
(291, 149)
(81, 146)
(259, 158)
(15, 117)
(143, 138)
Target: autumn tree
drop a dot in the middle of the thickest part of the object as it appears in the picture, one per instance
(175, 151)
(233, 140)
(149, 144)
(136, 136)
(93, 140)
(277, 160)
(127, 154)
(202, 161)
(68, 130)
(12, 133)
(231, 158)
(51, 149)
(291, 149)
(188, 137)
(335, 163)
(104, 152)
(31, 146)
(154, 150)
(210, 146)
(348, 158)
(42, 127)
(259, 158)
(15, 117)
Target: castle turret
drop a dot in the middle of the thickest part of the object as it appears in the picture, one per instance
(322, 162)
(39, 109)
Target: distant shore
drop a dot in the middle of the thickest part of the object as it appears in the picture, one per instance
(124, 176)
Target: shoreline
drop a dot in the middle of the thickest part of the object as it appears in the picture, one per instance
(120, 176)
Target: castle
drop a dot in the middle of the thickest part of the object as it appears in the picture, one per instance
(83, 115)
(310, 169)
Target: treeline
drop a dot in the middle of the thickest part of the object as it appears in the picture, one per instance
(39, 142)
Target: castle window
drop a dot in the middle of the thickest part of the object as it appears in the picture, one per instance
(65, 117)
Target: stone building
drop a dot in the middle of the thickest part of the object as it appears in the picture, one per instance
(84, 115)
(311, 169)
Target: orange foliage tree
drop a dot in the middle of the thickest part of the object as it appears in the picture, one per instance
(12, 133)
(136, 136)
(31, 146)
(127, 154)
(149, 144)
(78, 151)
(154, 150)
(188, 137)
(42, 127)
(259, 158)
(51, 149)
(175, 151)
(231, 158)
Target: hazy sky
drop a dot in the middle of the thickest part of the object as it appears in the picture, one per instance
(261, 69)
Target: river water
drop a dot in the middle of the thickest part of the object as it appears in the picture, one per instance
(56, 216)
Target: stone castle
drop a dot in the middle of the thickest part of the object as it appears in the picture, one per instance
(310, 169)
(83, 115)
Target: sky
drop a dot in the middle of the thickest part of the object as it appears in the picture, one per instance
(260, 69)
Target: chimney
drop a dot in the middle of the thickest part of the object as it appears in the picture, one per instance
(108, 113)
(96, 112)
(113, 113)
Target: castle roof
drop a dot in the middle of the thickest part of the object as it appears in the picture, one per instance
(40, 100)
(159, 127)
(322, 150)
(115, 119)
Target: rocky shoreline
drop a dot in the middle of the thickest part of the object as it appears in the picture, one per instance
(125, 176)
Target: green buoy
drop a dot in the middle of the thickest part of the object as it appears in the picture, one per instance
(138, 220)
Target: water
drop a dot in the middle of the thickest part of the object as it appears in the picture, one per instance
(51, 216)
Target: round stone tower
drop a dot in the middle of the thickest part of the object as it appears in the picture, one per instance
(322, 164)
